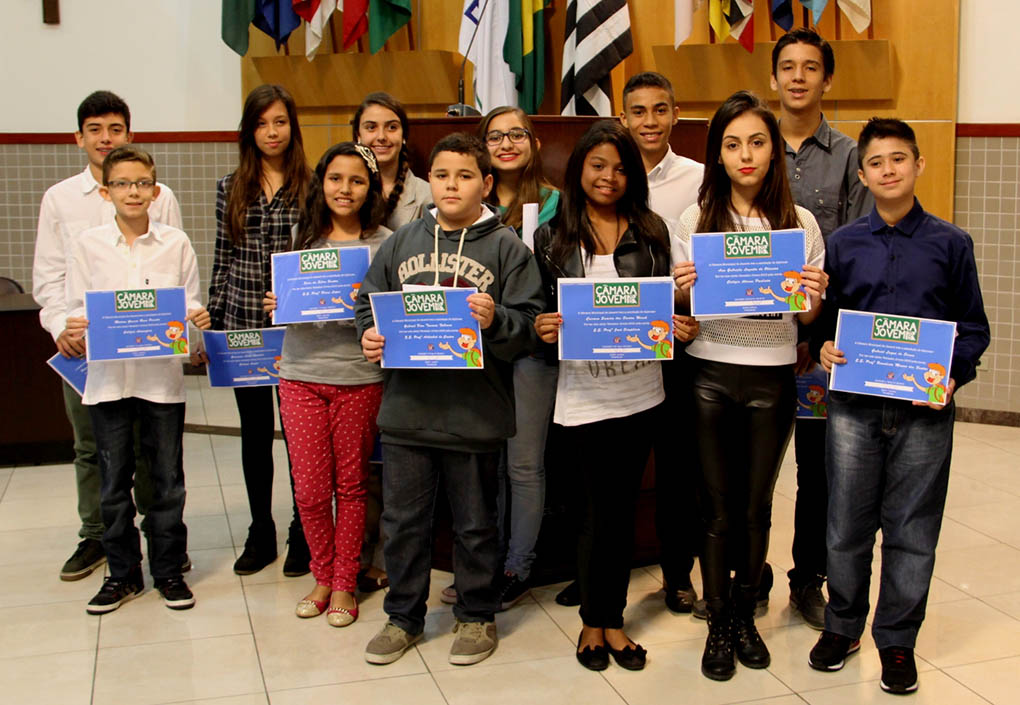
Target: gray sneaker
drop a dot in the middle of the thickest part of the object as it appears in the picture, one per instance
(389, 644)
(474, 642)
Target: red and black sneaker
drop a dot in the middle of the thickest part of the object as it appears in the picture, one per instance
(831, 650)
(899, 672)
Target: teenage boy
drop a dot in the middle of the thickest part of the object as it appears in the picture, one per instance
(649, 113)
(130, 253)
(69, 208)
(888, 460)
(821, 163)
(449, 424)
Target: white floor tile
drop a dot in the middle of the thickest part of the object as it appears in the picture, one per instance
(934, 688)
(996, 681)
(67, 628)
(30, 680)
(562, 681)
(982, 570)
(1000, 520)
(404, 690)
(42, 481)
(38, 584)
(957, 633)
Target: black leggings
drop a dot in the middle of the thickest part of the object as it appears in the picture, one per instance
(744, 417)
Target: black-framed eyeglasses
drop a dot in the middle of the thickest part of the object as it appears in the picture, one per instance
(516, 135)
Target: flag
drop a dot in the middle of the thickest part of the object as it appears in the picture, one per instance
(355, 21)
(385, 17)
(733, 17)
(494, 82)
(782, 13)
(277, 19)
(858, 12)
(817, 7)
(597, 39)
(235, 17)
(524, 51)
(316, 13)
(683, 19)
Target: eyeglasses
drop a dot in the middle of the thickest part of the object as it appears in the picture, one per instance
(124, 184)
(516, 135)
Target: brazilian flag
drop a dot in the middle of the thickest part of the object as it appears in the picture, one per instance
(385, 17)
(524, 51)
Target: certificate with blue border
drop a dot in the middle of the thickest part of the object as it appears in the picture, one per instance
(73, 370)
(428, 328)
(244, 358)
(318, 285)
(900, 357)
(742, 274)
(127, 324)
(813, 394)
(616, 319)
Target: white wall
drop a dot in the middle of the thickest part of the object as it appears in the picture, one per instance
(164, 57)
(989, 59)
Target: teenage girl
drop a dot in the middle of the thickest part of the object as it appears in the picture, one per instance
(744, 392)
(380, 123)
(256, 208)
(329, 394)
(608, 410)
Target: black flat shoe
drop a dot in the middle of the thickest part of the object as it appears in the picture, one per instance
(367, 584)
(630, 657)
(593, 658)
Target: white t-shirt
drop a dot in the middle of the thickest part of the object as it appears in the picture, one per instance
(595, 391)
(755, 340)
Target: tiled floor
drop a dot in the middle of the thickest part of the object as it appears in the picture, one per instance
(242, 644)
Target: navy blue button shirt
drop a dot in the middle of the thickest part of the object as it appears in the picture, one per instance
(923, 266)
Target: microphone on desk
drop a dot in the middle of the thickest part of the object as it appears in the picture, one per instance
(460, 108)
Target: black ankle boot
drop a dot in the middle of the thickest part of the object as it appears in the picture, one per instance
(298, 556)
(717, 661)
(748, 644)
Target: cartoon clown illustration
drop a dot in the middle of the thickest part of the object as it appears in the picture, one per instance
(817, 406)
(472, 356)
(276, 368)
(796, 298)
(936, 392)
(175, 335)
(355, 288)
(658, 333)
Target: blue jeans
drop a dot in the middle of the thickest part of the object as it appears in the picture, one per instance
(534, 395)
(162, 430)
(411, 477)
(888, 469)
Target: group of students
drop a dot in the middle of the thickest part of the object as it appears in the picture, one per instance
(627, 208)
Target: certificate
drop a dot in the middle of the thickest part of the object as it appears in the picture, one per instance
(428, 328)
(74, 370)
(813, 394)
(616, 319)
(244, 358)
(126, 324)
(741, 274)
(893, 356)
(318, 285)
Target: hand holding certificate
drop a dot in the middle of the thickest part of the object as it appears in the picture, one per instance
(318, 285)
(127, 324)
(428, 328)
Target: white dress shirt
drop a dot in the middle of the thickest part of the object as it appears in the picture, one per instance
(69, 208)
(100, 259)
(673, 186)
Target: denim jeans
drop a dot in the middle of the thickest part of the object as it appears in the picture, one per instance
(411, 476)
(524, 464)
(888, 468)
(162, 430)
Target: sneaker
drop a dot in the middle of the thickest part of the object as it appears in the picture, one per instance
(176, 594)
(474, 642)
(449, 595)
(510, 590)
(116, 591)
(831, 650)
(810, 603)
(899, 672)
(86, 558)
(389, 644)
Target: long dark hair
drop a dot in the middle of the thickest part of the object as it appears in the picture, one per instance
(246, 184)
(774, 201)
(387, 101)
(316, 218)
(532, 179)
(573, 228)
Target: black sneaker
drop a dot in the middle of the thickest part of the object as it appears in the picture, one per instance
(899, 672)
(810, 603)
(175, 593)
(86, 558)
(298, 558)
(257, 555)
(830, 651)
(509, 590)
(116, 591)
